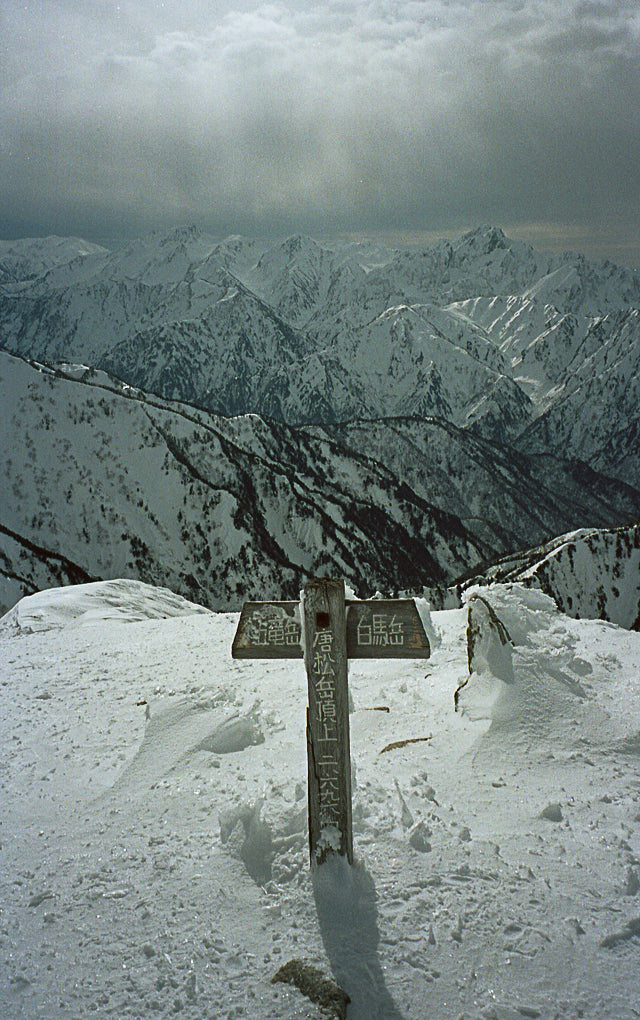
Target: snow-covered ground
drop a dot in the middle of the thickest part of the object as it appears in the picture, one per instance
(153, 847)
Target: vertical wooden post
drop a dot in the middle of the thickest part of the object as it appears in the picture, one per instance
(328, 755)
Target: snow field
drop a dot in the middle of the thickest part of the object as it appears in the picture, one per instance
(159, 866)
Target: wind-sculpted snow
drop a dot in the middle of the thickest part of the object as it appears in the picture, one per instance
(509, 652)
(82, 605)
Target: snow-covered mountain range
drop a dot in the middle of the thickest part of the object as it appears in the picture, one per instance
(399, 417)
(101, 480)
(539, 350)
(226, 419)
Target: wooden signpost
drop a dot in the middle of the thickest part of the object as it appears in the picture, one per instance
(334, 631)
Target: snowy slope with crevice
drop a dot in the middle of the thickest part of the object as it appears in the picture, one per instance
(590, 573)
(153, 832)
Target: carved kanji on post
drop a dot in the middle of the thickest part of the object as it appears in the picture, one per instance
(334, 631)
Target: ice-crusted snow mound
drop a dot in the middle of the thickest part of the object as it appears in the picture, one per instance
(489, 657)
(523, 668)
(80, 605)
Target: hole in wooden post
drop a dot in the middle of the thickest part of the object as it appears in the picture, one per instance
(322, 620)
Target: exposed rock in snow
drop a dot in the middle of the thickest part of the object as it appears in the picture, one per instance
(552, 813)
(316, 986)
(488, 656)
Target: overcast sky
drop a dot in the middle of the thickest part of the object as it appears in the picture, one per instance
(376, 117)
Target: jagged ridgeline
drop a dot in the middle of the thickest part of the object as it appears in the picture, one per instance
(399, 418)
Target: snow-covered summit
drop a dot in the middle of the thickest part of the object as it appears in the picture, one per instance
(82, 605)
(27, 258)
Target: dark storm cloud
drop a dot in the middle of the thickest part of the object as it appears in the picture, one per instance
(338, 116)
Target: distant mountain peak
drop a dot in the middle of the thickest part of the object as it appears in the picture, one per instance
(485, 239)
(181, 235)
(298, 242)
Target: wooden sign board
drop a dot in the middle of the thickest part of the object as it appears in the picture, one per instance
(378, 629)
(385, 629)
(268, 630)
(334, 632)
